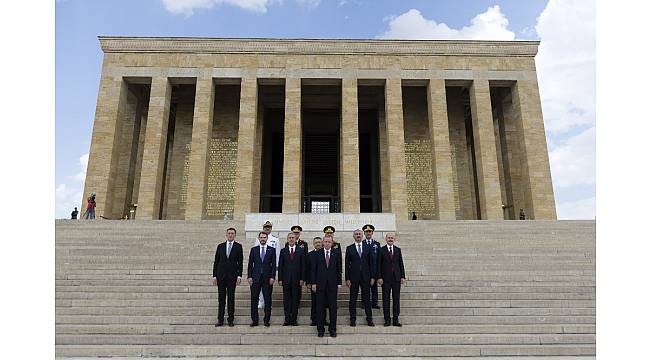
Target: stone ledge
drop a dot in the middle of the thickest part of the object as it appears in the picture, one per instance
(116, 44)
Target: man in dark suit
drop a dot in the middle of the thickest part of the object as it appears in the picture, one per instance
(326, 274)
(392, 275)
(291, 276)
(226, 274)
(311, 260)
(261, 275)
(359, 273)
(368, 232)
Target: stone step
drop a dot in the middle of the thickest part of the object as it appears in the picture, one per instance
(438, 296)
(438, 293)
(206, 281)
(119, 274)
(323, 350)
(308, 338)
(244, 309)
(245, 289)
(303, 329)
(278, 317)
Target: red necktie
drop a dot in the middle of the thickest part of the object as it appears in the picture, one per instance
(327, 259)
(291, 254)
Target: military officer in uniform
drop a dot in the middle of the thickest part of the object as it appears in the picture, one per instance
(329, 230)
(368, 232)
(297, 230)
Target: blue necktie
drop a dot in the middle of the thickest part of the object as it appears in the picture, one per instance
(263, 252)
(229, 247)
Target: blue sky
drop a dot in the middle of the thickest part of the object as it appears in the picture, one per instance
(566, 61)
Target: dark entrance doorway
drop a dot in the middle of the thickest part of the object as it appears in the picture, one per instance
(321, 161)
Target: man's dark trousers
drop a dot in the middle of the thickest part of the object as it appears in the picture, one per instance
(226, 290)
(267, 291)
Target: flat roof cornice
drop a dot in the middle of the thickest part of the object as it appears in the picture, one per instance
(198, 45)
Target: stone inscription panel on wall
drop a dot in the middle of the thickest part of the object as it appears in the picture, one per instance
(221, 178)
(419, 179)
(186, 173)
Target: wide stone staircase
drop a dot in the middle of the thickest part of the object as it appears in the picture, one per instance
(496, 289)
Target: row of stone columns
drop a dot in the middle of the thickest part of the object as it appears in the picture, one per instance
(111, 103)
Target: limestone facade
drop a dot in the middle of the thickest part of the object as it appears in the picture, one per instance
(192, 128)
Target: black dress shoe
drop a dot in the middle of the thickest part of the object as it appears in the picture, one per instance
(327, 323)
(370, 323)
(220, 323)
(397, 323)
(333, 334)
(267, 323)
(286, 323)
(321, 334)
(386, 323)
(313, 323)
(353, 323)
(231, 324)
(376, 307)
(295, 323)
(255, 323)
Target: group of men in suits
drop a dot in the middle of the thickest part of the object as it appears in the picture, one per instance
(367, 265)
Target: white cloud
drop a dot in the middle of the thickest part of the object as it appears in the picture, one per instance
(187, 7)
(566, 68)
(573, 162)
(579, 209)
(566, 63)
(489, 25)
(69, 194)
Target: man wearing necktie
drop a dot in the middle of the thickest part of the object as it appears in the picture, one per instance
(359, 273)
(261, 275)
(291, 276)
(368, 232)
(391, 277)
(226, 274)
(326, 273)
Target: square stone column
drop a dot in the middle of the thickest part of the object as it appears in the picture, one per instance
(485, 151)
(396, 155)
(536, 170)
(199, 154)
(350, 191)
(103, 156)
(292, 167)
(443, 177)
(246, 148)
(153, 156)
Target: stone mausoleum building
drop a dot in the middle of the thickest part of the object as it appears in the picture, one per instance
(192, 128)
